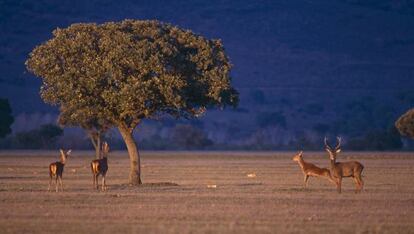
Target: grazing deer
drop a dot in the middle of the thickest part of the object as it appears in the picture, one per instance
(340, 170)
(56, 169)
(310, 169)
(100, 167)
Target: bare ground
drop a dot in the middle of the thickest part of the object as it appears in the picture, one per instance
(179, 196)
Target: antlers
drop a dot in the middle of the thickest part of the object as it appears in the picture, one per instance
(338, 144)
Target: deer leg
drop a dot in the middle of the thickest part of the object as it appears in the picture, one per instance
(97, 183)
(339, 185)
(56, 183)
(50, 183)
(93, 178)
(61, 183)
(103, 183)
(331, 179)
(305, 180)
(357, 184)
(360, 182)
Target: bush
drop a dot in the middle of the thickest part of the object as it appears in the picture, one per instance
(377, 140)
(43, 138)
(405, 124)
(186, 136)
(6, 118)
(266, 119)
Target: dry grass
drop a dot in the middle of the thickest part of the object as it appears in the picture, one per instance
(178, 196)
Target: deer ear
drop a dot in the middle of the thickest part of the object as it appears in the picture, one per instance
(327, 150)
(300, 153)
(68, 152)
(338, 151)
(62, 152)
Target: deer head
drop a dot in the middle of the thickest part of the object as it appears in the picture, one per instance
(64, 155)
(298, 156)
(333, 151)
(105, 149)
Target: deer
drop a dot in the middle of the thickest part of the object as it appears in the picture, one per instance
(100, 167)
(56, 169)
(309, 169)
(340, 170)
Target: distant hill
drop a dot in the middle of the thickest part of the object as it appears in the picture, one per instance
(309, 61)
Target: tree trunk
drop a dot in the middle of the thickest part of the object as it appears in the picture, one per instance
(96, 142)
(98, 147)
(135, 162)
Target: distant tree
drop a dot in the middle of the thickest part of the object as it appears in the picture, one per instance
(156, 142)
(123, 72)
(377, 140)
(189, 137)
(42, 138)
(6, 118)
(304, 143)
(405, 124)
(94, 127)
(266, 119)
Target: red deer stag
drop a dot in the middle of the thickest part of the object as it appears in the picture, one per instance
(56, 169)
(310, 169)
(100, 167)
(340, 170)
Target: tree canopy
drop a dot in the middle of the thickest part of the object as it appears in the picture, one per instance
(405, 124)
(6, 118)
(121, 72)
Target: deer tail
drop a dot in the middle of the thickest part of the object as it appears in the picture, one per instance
(94, 167)
(52, 169)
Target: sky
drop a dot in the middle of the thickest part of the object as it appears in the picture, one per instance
(313, 62)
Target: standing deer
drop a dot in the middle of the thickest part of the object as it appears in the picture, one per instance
(56, 169)
(310, 169)
(340, 170)
(100, 167)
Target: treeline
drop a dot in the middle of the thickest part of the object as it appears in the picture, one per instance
(189, 137)
(270, 131)
(45, 137)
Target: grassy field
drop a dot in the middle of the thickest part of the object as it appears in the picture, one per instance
(177, 196)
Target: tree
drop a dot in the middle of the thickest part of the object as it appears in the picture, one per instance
(377, 140)
(41, 138)
(123, 72)
(187, 136)
(6, 118)
(265, 119)
(94, 127)
(405, 124)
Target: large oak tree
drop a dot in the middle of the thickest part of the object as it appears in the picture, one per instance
(122, 72)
